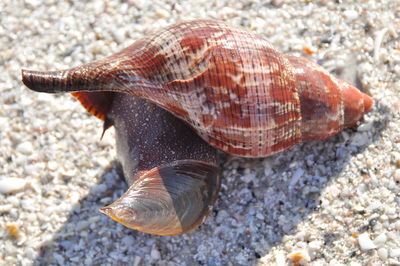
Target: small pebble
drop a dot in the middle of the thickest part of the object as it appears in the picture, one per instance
(365, 242)
(393, 262)
(277, 3)
(301, 257)
(52, 165)
(374, 205)
(60, 259)
(296, 177)
(397, 175)
(155, 254)
(395, 252)
(260, 216)
(25, 148)
(350, 15)
(101, 188)
(367, 126)
(315, 245)
(5, 208)
(30, 253)
(383, 253)
(247, 178)
(380, 239)
(12, 184)
(280, 258)
(360, 139)
(13, 231)
(397, 225)
(82, 225)
(162, 13)
(88, 261)
(137, 261)
(222, 215)
(94, 219)
(119, 35)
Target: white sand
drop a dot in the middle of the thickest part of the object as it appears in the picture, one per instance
(332, 202)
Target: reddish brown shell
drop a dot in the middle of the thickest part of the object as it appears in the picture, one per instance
(240, 94)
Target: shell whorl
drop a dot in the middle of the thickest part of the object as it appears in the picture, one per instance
(240, 94)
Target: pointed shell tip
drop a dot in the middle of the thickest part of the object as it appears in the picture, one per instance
(368, 103)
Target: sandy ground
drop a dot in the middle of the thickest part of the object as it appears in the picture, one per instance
(331, 202)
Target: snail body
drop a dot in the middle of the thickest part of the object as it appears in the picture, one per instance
(173, 175)
(231, 86)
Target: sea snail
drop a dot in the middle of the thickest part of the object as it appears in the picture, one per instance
(231, 86)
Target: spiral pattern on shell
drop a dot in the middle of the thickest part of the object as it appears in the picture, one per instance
(239, 94)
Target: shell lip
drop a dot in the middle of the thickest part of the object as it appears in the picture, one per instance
(172, 199)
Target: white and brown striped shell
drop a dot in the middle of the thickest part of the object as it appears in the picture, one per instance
(236, 91)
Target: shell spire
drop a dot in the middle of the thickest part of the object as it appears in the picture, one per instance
(239, 94)
(327, 103)
(82, 78)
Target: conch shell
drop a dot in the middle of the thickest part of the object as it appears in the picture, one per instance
(236, 91)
